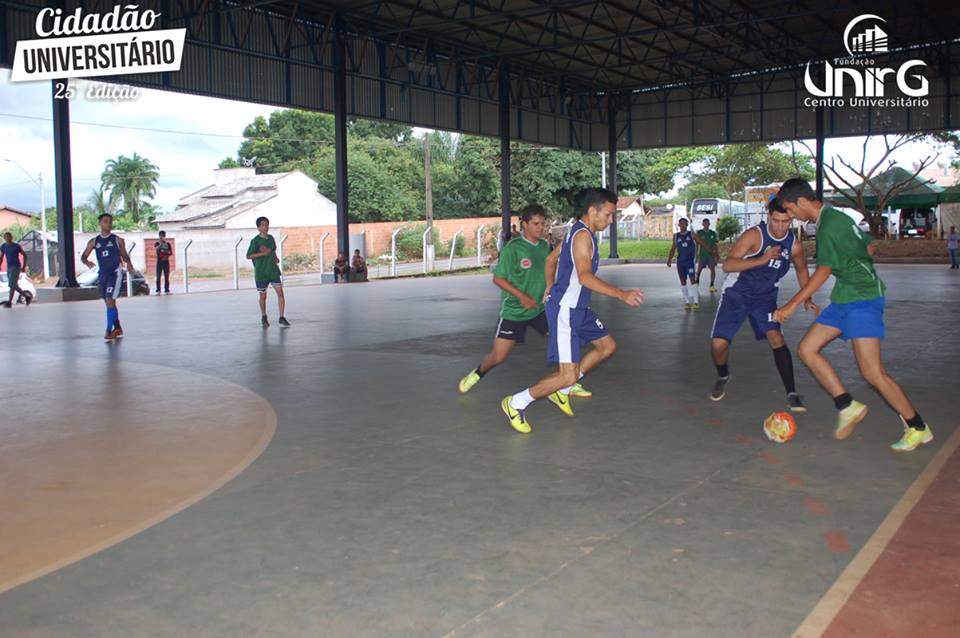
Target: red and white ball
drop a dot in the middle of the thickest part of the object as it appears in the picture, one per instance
(780, 427)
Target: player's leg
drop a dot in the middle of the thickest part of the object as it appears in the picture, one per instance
(713, 274)
(159, 274)
(502, 346)
(166, 276)
(262, 294)
(281, 304)
(695, 286)
(731, 313)
(765, 328)
(682, 272)
(591, 331)
(819, 335)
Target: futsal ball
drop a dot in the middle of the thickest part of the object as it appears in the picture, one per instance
(780, 427)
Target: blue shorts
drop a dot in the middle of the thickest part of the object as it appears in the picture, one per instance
(687, 270)
(734, 308)
(110, 282)
(570, 330)
(855, 320)
(263, 284)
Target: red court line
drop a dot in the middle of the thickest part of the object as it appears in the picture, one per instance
(913, 588)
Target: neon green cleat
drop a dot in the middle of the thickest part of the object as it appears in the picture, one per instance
(688, 306)
(469, 381)
(517, 420)
(848, 418)
(562, 401)
(577, 390)
(713, 289)
(912, 439)
(694, 306)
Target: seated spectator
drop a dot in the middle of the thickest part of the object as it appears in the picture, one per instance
(341, 269)
(359, 267)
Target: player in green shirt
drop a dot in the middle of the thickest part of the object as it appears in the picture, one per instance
(266, 270)
(521, 275)
(708, 256)
(855, 314)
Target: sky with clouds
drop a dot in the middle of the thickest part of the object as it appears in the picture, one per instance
(212, 129)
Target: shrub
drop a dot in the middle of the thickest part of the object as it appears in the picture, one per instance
(299, 261)
(727, 227)
(410, 242)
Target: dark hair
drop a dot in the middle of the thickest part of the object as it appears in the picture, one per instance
(261, 220)
(776, 206)
(593, 198)
(8, 234)
(163, 233)
(102, 215)
(795, 188)
(530, 211)
(683, 220)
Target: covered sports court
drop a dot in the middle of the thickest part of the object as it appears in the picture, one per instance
(207, 478)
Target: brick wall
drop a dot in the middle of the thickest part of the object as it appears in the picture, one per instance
(306, 240)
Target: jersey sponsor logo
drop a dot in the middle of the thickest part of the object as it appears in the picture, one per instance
(526, 263)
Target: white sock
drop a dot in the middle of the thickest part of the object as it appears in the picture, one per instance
(521, 400)
(683, 289)
(696, 293)
(566, 391)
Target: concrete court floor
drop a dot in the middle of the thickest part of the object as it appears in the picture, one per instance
(389, 505)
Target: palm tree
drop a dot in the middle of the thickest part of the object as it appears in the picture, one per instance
(130, 179)
(99, 202)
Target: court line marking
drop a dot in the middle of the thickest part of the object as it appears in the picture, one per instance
(818, 620)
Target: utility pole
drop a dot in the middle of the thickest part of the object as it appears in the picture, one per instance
(428, 179)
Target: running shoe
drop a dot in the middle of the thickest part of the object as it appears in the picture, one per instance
(719, 388)
(516, 417)
(264, 322)
(108, 335)
(688, 306)
(795, 403)
(469, 381)
(848, 418)
(713, 289)
(283, 322)
(912, 438)
(562, 401)
(577, 390)
(694, 306)
(117, 331)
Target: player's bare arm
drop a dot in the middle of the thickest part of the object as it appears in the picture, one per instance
(528, 302)
(749, 242)
(124, 256)
(803, 273)
(582, 261)
(550, 269)
(819, 277)
(85, 257)
(673, 250)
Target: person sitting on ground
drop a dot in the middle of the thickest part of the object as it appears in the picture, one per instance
(358, 266)
(341, 268)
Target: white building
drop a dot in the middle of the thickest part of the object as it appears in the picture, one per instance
(238, 196)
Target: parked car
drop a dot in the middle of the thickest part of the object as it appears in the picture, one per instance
(91, 278)
(24, 282)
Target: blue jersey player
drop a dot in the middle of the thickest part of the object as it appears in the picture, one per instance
(571, 273)
(685, 246)
(111, 252)
(756, 264)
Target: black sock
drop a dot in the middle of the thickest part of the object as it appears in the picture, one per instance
(723, 371)
(480, 374)
(843, 401)
(916, 422)
(781, 356)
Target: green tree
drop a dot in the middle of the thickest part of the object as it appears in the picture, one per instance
(289, 138)
(360, 128)
(728, 227)
(229, 162)
(130, 179)
(736, 166)
(952, 140)
(706, 190)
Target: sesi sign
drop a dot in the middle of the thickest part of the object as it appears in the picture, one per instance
(858, 80)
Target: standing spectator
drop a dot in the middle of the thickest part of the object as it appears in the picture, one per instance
(164, 250)
(358, 267)
(952, 241)
(341, 268)
(11, 252)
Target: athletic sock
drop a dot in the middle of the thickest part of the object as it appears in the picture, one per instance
(696, 292)
(723, 371)
(683, 289)
(521, 400)
(842, 401)
(480, 374)
(916, 422)
(784, 361)
(111, 318)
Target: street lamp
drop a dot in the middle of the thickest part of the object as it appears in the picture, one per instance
(43, 214)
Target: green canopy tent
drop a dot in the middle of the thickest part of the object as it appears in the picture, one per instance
(917, 193)
(950, 195)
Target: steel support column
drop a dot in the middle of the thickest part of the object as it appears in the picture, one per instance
(66, 269)
(340, 141)
(612, 167)
(504, 129)
(819, 158)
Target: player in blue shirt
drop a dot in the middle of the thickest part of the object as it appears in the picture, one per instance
(685, 245)
(756, 264)
(571, 273)
(111, 252)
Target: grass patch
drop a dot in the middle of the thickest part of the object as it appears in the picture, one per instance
(640, 249)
